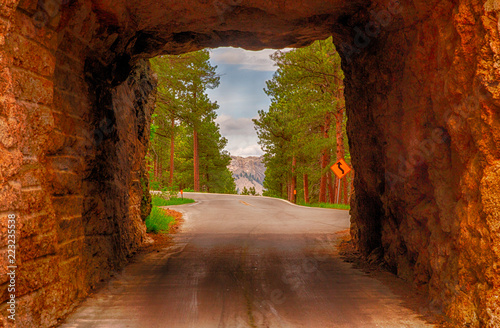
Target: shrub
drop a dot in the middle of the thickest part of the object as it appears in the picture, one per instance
(158, 221)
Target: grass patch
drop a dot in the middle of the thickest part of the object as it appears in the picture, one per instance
(158, 221)
(159, 201)
(328, 205)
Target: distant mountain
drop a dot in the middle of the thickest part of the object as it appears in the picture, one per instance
(248, 172)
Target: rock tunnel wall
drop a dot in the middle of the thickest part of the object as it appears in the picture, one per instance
(427, 198)
(72, 170)
(422, 98)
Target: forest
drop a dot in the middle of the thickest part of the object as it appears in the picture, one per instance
(186, 148)
(303, 133)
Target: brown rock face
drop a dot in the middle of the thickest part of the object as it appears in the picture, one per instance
(423, 106)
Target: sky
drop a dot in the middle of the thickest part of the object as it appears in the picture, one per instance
(241, 95)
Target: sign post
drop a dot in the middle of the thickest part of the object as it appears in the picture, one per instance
(182, 194)
(340, 168)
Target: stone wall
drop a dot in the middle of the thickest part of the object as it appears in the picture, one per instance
(422, 99)
(72, 150)
(427, 189)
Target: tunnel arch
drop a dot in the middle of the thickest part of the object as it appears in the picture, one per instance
(422, 100)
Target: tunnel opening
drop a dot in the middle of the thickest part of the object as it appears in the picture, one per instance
(295, 125)
(421, 98)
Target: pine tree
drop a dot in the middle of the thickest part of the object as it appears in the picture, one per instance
(296, 132)
(183, 114)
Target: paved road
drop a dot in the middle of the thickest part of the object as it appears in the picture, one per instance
(243, 261)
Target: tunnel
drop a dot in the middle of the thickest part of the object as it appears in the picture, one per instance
(422, 99)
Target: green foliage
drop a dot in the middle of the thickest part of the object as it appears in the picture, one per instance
(154, 185)
(146, 196)
(245, 191)
(153, 128)
(160, 201)
(252, 191)
(327, 205)
(158, 221)
(306, 93)
(179, 201)
(182, 108)
(173, 190)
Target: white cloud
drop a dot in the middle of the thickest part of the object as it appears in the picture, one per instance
(251, 60)
(236, 126)
(252, 150)
(241, 135)
(240, 95)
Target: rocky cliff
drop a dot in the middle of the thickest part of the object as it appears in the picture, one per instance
(248, 172)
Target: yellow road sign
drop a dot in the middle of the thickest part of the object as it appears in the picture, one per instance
(340, 168)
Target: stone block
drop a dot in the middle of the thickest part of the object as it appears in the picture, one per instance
(10, 197)
(66, 163)
(40, 117)
(71, 248)
(32, 88)
(3, 269)
(28, 5)
(34, 200)
(36, 274)
(30, 55)
(72, 46)
(64, 183)
(31, 176)
(37, 224)
(67, 206)
(35, 132)
(60, 297)
(57, 141)
(9, 132)
(37, 246)
(27, 26)
(10, 163)
(71, 278)
(5, 83)
(69, 81)
(6, 227)
(68, 125)
(100, 256)
(74, 105)
(69, 229)
(7, 6)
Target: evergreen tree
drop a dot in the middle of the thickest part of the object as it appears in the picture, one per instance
(295, 133)
(185, 119)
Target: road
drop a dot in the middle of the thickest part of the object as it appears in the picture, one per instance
(243, 261)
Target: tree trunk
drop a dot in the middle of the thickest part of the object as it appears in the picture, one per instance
(208, 179)
(306, 188)
(294, 181)
(155, 166)
(332, 188)
(352, 185)
(325, 159)
(339, 117)
(344, 182)
(196, 162)
(172, 143)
